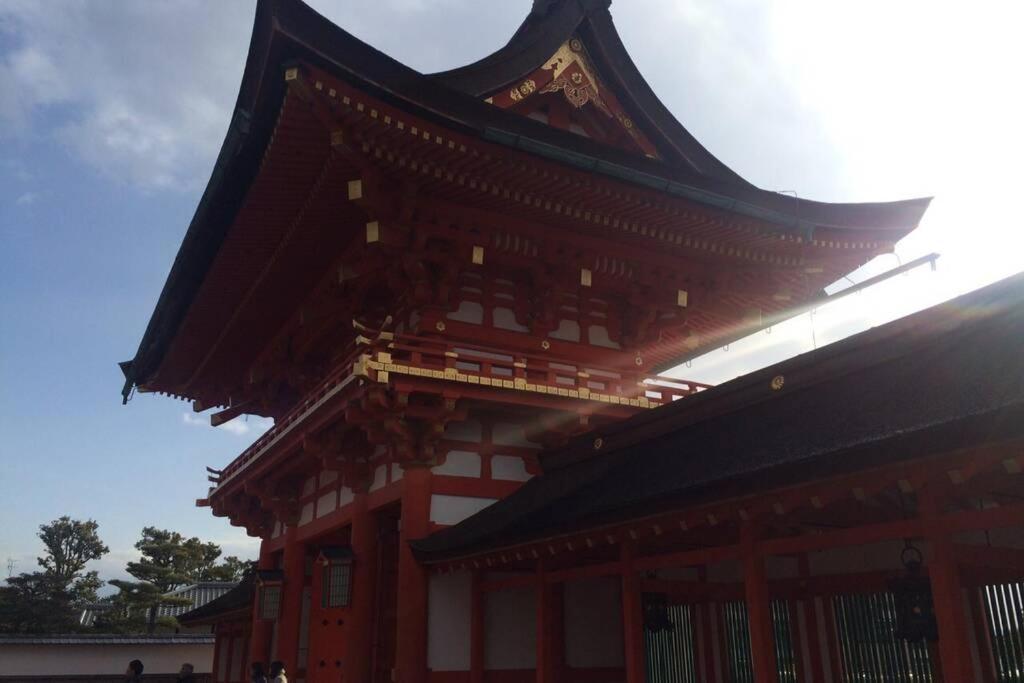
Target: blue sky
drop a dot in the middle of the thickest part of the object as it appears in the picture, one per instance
(111, 114)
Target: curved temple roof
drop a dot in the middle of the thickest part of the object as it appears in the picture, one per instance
(288, 31)
(942, 379)
(549, 25)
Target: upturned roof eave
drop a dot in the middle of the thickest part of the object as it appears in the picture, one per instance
(288, 30)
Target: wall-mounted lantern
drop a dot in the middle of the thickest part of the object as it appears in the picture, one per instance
(912, 592)
(656, 617)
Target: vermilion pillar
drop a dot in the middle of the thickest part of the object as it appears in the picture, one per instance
(476, 631)
(359, 625)
(811, 628)
(294, 566)
(632, 619)
(550, 630)
(218, 646)
(259, 650)
(954, 631)
(759, 614)
(981, 635)
(411, 648)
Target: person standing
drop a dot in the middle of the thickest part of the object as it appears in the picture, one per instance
(134, 672)
(277, 674)
(258, 675)
(186, 675)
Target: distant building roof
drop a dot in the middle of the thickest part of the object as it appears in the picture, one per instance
(238, 599)
(199, 593)
(109, 639)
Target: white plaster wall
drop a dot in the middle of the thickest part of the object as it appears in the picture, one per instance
(508, 434)
(307, 514)
(568, 330)
(380, 477)
(453, 509)
(508, 468)
(468, 312)
(505, 319)
(327, 503)
(460, 464)
(856, 559)
(328, 477)
(598, 335)
(593, 623)
(781, 567)
(467, 430)
(345, 496)
(237, 671)
(510, 629)
(448, 622)
(678, 573)
(729, 572)
(309, 486)
(97, 659)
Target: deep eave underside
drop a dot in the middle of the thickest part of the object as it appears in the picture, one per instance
(939, 380)
(287, 31)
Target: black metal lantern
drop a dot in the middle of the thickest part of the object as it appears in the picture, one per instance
(912, 593)
(656, 618)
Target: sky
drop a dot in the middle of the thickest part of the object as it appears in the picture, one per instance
(112, 112)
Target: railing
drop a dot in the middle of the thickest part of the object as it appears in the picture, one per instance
(377, 355)
(338, 377)
(475, 364)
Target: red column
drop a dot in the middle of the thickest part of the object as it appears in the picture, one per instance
(291, 601)
(632, 619)
(954, 632)
(835, 657)
(986, 653)
(545, 663)
(218, 642)
(411, 648)
(476, 631)
(359, 624)
(762, 634)
(550, 630)
(811, 628)
(259, 649)
(702, 637)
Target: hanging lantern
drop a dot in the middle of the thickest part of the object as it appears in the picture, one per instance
(656, 618)
(912, 592)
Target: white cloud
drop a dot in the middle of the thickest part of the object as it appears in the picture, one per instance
(240, 426)
(141, 91)
(26, 198)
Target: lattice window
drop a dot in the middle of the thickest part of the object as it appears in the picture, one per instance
(337, 586)
(270, 602)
